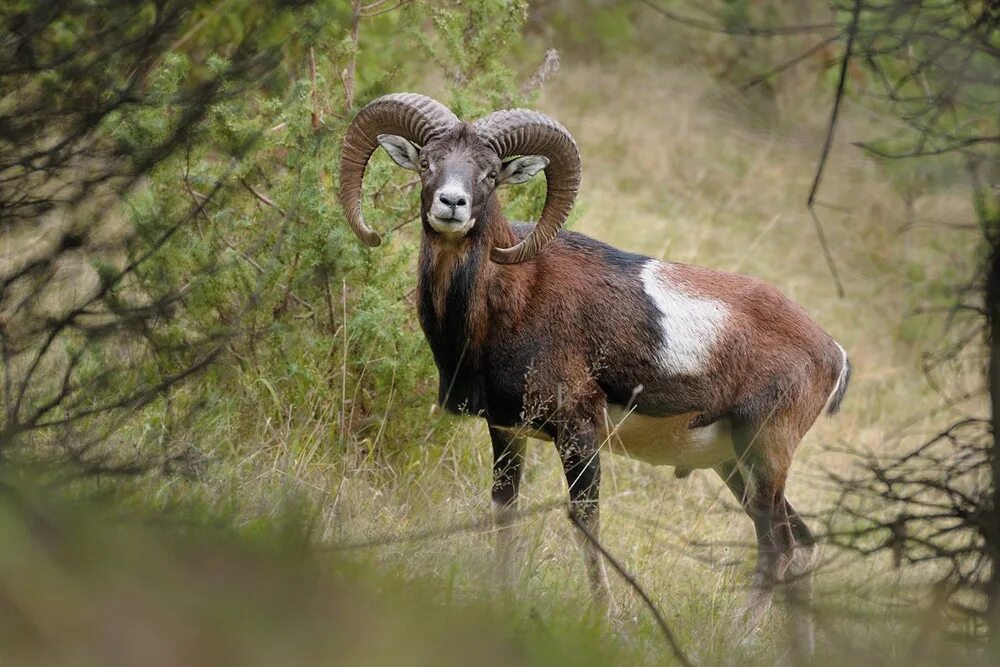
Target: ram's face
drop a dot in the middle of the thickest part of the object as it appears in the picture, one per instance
(458, 174)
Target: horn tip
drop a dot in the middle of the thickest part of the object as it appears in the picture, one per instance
(506, 255)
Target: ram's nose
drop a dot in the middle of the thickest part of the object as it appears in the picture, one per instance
(452, 199)
(451, 204)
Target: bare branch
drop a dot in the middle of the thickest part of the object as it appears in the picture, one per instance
(264, 199)
(369, 11)
(852, 30)
(750, 31)
(761, 78)
(317, 119)
(347, 76)
(630, 580)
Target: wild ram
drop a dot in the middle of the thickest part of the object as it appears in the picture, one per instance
(549, 333)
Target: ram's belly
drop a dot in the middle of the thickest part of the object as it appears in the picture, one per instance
(660, 440)
(668, 440)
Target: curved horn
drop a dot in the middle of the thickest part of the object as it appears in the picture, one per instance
(415, 117)
(523, 132)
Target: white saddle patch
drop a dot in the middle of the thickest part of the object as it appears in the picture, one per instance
(690, 325)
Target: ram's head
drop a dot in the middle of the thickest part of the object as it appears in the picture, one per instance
(461, 164)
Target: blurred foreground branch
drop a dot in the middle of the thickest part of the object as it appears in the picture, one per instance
(631, 581)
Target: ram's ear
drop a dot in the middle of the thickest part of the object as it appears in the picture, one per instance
(521, 169)
(405, 153)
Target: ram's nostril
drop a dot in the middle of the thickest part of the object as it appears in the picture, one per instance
(452, 200)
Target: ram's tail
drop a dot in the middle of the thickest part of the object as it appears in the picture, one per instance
(837, 395)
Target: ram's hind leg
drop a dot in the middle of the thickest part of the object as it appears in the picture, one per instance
(800, 584)
(757, 479)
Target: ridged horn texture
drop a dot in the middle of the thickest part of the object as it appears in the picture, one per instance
(415, 117)
(523, 132)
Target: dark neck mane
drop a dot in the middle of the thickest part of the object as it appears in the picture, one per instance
(456, 300)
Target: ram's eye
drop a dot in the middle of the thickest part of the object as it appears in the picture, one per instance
(424, 164)
(492, 175)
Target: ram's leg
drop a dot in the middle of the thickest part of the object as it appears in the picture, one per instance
(784, 541)
(760, 593)
(800, 584)
(805, 541)
(578, 449)
(508, 464)
(763, 455)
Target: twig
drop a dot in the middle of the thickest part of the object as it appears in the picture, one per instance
(347, 76)
(197, 26)
(369, 11)
(405, 223)
(447, 531)
(630, 580)
(752, 31)
(409, 294)
(958, 145)
(316, 119)
(373, 6)
(343, 378)
(260, 196)
(788, 64)
(834, 207)
(852, 30)
(329, 300)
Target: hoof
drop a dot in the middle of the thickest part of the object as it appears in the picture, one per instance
(752, 614)
(608, 608)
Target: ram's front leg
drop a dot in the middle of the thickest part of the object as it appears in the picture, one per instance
(579, 450)
(508, 464)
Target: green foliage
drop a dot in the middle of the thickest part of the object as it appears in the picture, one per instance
(230, 245)
(327, 326)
